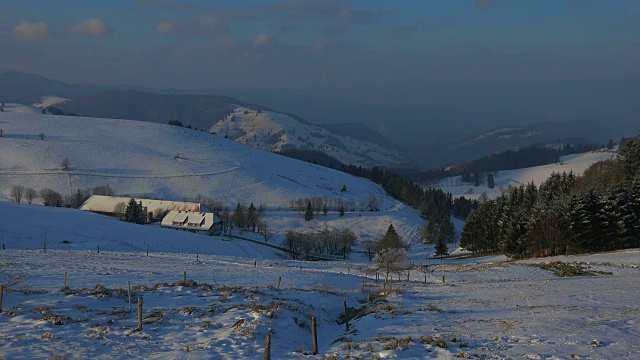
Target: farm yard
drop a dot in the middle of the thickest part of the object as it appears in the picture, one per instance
(486, 308)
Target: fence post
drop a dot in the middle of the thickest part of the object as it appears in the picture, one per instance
(314, 333)
(279, 279)
(1, 293)
(64, 288)
(98, 249)
(267, 348)
(346, 319)
(147, 251)
(139, 314)
(129, 293)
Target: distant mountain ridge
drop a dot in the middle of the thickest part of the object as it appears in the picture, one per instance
(431, 138)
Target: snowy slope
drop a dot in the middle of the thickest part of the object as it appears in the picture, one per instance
(485, 310)
(141, 159)
(167, 162)
(577, 163)
(275, 132)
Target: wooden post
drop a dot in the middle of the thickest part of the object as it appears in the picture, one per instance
(384, 284)
(442, 269)
(314, 334)
(279, 280)
(184, 278)
(346, 319)
(129, 293)
(64, 288)
(2, 292)
(255, 263)
(98, 249)
(197, 258)
(408, 274)
(139, 314)
(147, 251)
(425, 278)
(45, 240)
(267, 348)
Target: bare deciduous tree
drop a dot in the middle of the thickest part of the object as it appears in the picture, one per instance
(120, 208)
(30, 194)
(391, 260)
(16, 192)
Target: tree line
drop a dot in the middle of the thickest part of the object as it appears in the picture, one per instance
(51, 197)
(566, 214)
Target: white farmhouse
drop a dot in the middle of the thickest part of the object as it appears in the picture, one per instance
(116, 205)
(205, 223)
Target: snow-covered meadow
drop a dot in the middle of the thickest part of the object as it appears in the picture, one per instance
(576, 163)
(487, 308)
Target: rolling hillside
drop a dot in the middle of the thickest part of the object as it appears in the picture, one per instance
(161, 161)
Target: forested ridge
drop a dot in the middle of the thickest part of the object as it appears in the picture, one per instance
(567, 214)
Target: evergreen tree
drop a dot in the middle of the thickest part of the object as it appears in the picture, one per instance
(341, 210)
(441, 246)
(629, 159)
(391, 239)
(308, 213)
(133, 213)
(239, 217)
(490, 181)
(252, 217)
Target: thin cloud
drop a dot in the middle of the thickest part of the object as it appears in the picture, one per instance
(93, 27)
(166, 5)
(483, 4)
(31, 31)
(263, 40)
(164, 27)
(404, 31)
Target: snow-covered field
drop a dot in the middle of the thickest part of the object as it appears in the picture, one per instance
(161, 161)
(484, 310)
(577, 163)
(488, 308)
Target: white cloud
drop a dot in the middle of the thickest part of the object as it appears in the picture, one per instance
(31, 31)
(164, 27)
(91, 27)
(263, 40)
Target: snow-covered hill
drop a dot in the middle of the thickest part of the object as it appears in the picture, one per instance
(161, 161)
(576, 163)
(276, 132)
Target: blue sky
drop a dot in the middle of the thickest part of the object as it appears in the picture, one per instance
(420, 52)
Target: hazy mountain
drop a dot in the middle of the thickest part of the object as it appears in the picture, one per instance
(277, 132)
(430, 137)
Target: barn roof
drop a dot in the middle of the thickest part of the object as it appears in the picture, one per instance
(107, 204)
(203, 220)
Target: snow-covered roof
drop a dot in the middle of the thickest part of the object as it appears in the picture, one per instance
(107, 204)
(189, 220)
